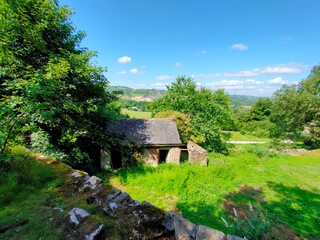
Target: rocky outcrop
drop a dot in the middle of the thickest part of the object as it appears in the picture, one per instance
(134, 219)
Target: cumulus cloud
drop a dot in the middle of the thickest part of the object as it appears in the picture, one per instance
(134, 71)
(122, 72)
(239, 46)
(124, 60)
(277, 81)
(165, 77)
(178, 64)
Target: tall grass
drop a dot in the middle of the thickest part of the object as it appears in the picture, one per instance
(21, 174)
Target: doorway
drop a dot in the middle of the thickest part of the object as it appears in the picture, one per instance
(116, 159)
(163, 155)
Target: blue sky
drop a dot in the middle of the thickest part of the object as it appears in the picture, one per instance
(248, 47)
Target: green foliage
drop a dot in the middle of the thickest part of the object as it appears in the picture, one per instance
(133, 105)
(182, 121)
(47, 80)
(238, 101)
(208, 111)
(296, 110)
(255, 121)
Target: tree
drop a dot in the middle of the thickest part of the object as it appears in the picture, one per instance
(47, 79)
(209, 112)
(182, 121)
(296, 109)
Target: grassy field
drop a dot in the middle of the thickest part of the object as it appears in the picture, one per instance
(283, 190)
(136, 114)
(237, 136)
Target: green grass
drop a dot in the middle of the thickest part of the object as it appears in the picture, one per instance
(237, 136)
(286, 189)
(30, 188)
(136, 114)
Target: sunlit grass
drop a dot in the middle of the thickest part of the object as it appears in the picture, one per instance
(136, 114)
(237, 136)
(285, 187)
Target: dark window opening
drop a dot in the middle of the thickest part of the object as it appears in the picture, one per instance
(116, 159)
(163, 156)
(184, 155)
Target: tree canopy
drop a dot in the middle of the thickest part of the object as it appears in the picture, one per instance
(48, 82)
(208, 111)
(296, 109)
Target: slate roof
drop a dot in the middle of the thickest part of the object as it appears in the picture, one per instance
(148, 132)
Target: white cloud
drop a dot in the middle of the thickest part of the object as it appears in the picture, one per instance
(277, 81)
(165, 77)
(122, 72)
(269, 70)
(134, 71)
(280, 70)
(239, 46)
(124, 60)
(178, 64)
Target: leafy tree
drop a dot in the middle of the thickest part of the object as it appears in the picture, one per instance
(182, 121)
(296, 108)
(255, 121)
(209, 112)
(47, 80)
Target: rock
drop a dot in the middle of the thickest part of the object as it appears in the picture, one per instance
(205, 233)
(91, 183)
(95, 233)
(184, 230)
(115, 194)
(78, 174)
(168, 222)
(122, 197)
(231, 237)
(78, 215)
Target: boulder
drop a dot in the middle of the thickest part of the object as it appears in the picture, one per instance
(184, 230)
(78, 215)
(206, 233)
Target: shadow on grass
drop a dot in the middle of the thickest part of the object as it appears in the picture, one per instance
(294, 213)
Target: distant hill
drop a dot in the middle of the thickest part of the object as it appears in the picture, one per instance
(138, 94)
(242, 100)
(149, 95)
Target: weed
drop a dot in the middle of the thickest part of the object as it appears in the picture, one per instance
(252, 225)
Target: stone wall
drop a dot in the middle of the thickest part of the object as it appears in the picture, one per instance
(197, 154)
(151, 156)
(174, 156)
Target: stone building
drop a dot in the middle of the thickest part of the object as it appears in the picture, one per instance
(159, 139)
